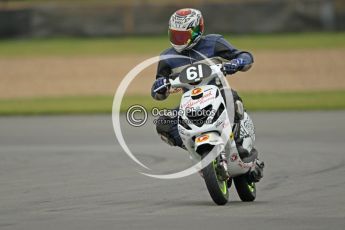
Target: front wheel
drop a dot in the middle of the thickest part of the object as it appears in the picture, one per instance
(217, 188)
(246, 190)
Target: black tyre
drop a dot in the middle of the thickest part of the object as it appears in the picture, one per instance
(229, 182)
(246, 190)
(218, 189)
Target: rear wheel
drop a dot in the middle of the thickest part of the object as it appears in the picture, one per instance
(217, 188)
(246, 189)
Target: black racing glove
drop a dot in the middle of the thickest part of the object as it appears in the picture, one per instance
(159, 87)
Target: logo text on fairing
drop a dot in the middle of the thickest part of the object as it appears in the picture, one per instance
(207, 97)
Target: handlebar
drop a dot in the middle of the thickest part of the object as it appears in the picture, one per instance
(174, 79)
(161, 87)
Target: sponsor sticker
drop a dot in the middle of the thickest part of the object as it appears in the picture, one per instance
(202, 138)
(196, 91)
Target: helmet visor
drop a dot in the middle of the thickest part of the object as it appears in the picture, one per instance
(180, 37)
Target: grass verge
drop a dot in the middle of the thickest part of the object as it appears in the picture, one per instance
(156, 44)
(295, 101)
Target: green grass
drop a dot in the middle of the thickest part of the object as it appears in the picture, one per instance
(330, 100)
(155, 45)
(62, 105)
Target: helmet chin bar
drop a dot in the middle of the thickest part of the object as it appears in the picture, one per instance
(181, 48)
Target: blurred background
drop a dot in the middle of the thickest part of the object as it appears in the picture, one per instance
(69, 56)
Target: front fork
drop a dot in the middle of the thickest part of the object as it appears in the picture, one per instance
(229, 154)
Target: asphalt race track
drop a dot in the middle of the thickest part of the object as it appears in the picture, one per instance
(68, 172)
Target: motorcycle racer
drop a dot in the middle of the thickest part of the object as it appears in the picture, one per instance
(186, 28)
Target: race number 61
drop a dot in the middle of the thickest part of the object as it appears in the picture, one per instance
(195, 73)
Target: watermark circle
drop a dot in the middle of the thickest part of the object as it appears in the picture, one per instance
(118, 132)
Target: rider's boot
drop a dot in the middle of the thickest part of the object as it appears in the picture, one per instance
(257, 172)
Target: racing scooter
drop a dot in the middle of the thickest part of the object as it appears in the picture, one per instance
(206, 130)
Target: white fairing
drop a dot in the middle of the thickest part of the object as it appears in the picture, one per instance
(216, 132)
(211, 96)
